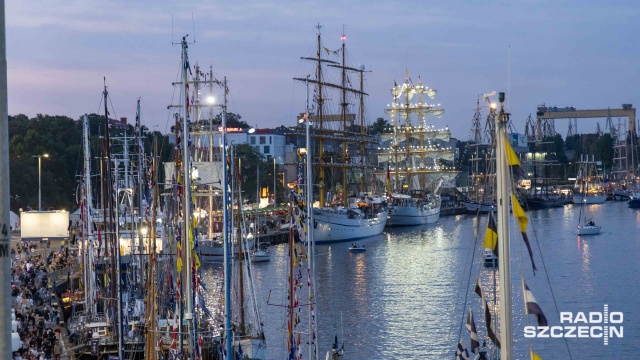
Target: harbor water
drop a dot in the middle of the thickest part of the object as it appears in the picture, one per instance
(407, 295)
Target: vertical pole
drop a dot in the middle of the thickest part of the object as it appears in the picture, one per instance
(274, 181)
(5, 237)
(187, 232)
(39, 182)
(502, 175)
(227, 255)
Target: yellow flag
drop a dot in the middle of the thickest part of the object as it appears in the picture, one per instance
(535, 356)
(519, 213)
(179, 264)
(512, 158)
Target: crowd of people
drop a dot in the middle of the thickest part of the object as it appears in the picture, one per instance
(38, 321)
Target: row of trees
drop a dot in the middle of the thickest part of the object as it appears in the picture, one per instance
(61, 138)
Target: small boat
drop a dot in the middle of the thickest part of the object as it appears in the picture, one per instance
(355, 248)
(634, 200)
(590, 228)
(262, 254)
(490, 259)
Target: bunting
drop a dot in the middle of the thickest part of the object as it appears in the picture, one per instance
(471, 326)
(532, 306)
(461, 351)
(487, 315)
(512, 159)
(491, 236)
(518, 212)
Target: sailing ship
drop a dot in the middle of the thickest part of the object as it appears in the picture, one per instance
(480, 197)
(414, 157)
(588, 187)
(341, 155)
(109, 317)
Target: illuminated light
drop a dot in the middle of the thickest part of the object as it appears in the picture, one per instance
(211, 100)
(343, 38)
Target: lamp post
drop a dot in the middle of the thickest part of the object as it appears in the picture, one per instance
(274, 181)
(40, 178)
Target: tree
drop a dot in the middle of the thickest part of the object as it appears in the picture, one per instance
(233, 120)
(379, 126)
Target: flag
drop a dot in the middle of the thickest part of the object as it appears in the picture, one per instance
(461, 351)
(487, 315)
(240, 352)
(395, 84)
(532, 306)
(518, 212)
(512, 159)
(535, 356)
(491, 236)
(471, 326)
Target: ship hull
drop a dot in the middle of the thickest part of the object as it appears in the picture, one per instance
(589, 199)
(330, 226)
(412, 215)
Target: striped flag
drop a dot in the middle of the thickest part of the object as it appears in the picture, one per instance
(471, 326)
(532, 306)
(491, 236)
(518, 212)
(487, 315)
(461, 351)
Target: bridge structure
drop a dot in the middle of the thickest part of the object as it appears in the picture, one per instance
(624, 158)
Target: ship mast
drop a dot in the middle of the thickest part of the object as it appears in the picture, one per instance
(343, 105)
(88, 224)
(150, 342)
(187, 232)
(503, 182)
(320, 101)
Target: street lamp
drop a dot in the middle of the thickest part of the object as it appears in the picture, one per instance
(40, 178)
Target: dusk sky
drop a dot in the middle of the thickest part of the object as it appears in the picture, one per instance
(563, 53)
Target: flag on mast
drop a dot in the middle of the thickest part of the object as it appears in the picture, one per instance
(471, 326)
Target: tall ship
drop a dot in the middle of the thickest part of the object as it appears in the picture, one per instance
(346, 208)
(588, 189)
(415, 160)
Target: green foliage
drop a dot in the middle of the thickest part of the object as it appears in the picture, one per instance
(61, 138)
(378, 126)
(250, 161)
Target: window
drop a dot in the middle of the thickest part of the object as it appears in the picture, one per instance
(270, 137)
(263, 140)
(266, 149)
(253, 140)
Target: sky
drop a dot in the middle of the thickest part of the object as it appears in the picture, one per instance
(561, 53)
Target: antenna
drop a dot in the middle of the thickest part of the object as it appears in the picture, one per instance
(172, 29)
(193, 26)
(509, 77)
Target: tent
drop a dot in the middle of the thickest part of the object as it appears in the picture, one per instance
(14, 221)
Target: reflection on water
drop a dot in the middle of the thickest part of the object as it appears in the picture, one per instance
(404, 298)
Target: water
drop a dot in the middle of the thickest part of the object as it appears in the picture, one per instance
(404, 298)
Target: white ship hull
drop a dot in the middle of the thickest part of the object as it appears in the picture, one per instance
(408, 215)
(589, 199)
(473, 206)
(213, 250)
(333, 226)
(588, 230)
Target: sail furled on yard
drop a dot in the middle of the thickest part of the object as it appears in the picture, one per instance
(471, 326)
(532, 306)
(493, 335)
(518, 212)
(491, 236)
